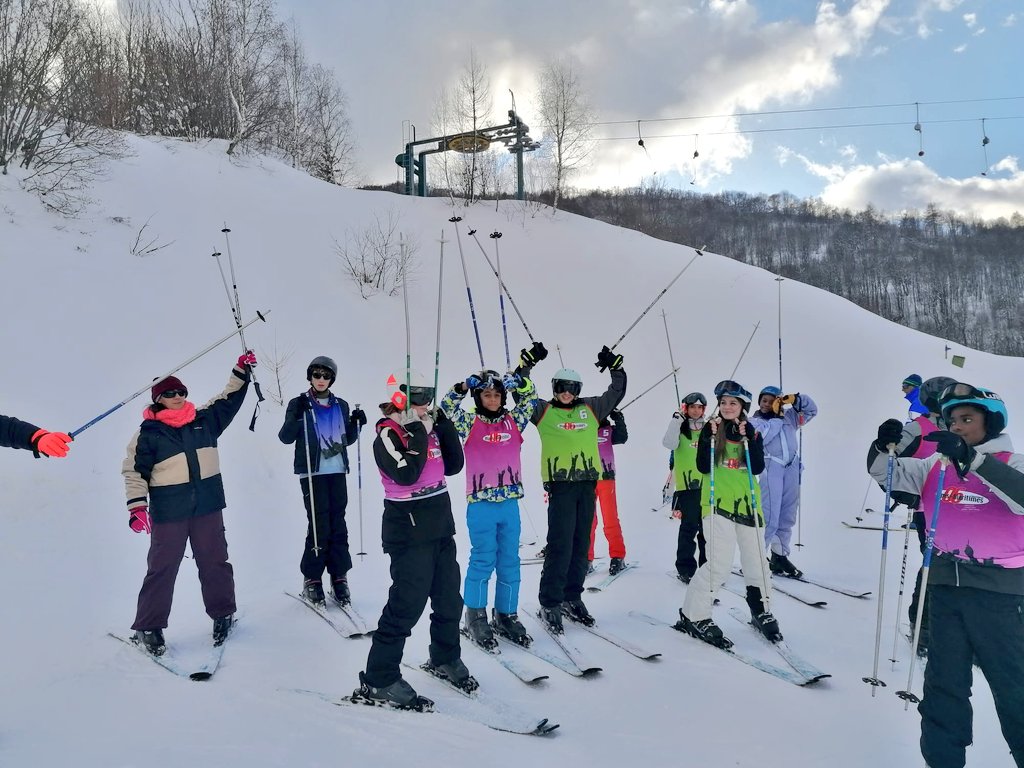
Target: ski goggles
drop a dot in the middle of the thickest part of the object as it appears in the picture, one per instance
(558, 386)
(170, 393)
(961, 391)
(730, 388)
(695, 398)
(420, 395)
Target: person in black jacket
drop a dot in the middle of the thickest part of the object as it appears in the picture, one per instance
(322, 427)
(175, 494)
(414, 452)
(20, 434)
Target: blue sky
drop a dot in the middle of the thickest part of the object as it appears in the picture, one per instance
(658, 59)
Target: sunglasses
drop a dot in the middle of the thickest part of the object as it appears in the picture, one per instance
(325, 375)
(171, 393)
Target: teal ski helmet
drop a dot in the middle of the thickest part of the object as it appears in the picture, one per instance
(988, 401)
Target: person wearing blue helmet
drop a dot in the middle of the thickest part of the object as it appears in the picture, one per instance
(912, 394)
(778, 418)
(975, 589)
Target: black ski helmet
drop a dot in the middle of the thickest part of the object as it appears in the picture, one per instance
(322, 361)
(930, 391)
(488, 380)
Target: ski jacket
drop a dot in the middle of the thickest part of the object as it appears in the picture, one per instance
(492, 446)
(612, 432)
(731, 480)
(917, 408)
(681, 437)
(979, 538)
(178, 468)
(330, 430)
(779, 430)
(912, 446)
(15, 433)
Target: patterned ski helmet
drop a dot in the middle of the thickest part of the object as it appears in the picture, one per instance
(489, 379)
(988, 401)
(409, 382)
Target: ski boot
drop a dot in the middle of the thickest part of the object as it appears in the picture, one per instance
(313, 592)
(576, 611)
(616, 565)
(590, 567)
(152, 640)
(705, 630)
(339, 590)
(543, 552)
(781, 566)
(760, 618)
(222, 628)
(552, 618)
(478, 630)
(399, 695)
(454, 673)
(684, 577)
(508, 626)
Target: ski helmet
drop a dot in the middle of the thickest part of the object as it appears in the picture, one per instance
(488, 380)
(322, 361)
(988, 401)
(695, 398)
(409, 386)
(770, 390)
(931, 389)
(730, 388)
(567, 380)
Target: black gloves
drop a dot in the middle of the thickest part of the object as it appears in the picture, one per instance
(530, 357)
(608, 359)
(954, 448)
(889, 431)
(358, 418)
(302, 405)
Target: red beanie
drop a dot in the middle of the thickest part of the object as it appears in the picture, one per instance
(165, 385)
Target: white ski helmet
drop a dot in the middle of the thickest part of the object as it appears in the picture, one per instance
(409, 382)
(567, 380)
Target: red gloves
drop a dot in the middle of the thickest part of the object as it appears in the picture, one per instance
(138, 520)
(50, 444)
(248, 358)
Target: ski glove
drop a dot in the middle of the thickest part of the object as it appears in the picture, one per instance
(954, 448)
(890, 431)
(138, 520)
(248, 358)
(608, 359)
(50, 444)
(512, 381)
(472, 382)
(301, 406)
(358, 418)
(530, 357)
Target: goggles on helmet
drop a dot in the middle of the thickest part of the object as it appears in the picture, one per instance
(730, 388)
(420, 395)
(695, 398)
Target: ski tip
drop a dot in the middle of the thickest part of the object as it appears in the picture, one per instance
(200, 676)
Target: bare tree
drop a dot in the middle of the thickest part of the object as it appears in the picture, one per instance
(473, 104)
(568, 119)
(373, 257)
(330, 152)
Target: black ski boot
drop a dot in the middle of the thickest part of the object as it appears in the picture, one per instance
(340, 592)
(152, 640)
(762, 620)
(590, 567)
(478, 630)
(705, 630)
(399, 695)
(780, 566)
(222, 628)
(684, 577)
(575, 610)
(617, 564)
(543, 552)
(552, 618)
(508, 626)
(455, 673)
(313, 592)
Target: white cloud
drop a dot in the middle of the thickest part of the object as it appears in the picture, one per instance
(970, 19)
(960, 48)
(1010, 20)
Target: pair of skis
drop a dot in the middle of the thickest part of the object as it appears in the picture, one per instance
(610, 578)
(346, 621)
(169, 662)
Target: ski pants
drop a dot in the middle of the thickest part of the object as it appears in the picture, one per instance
(418, 572)
(609, 519)
(494, 541)
(780, 500)
(687, 504)
(330, 498)
(166, 548)
(971, 626)
(570, 517)
(723, 537)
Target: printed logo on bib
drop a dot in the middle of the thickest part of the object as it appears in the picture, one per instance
(572, 426)
(960, 496)
(732, 464)
(497, 437)
(602, 439)
(434, 453)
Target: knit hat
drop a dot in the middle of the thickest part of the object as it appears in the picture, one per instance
(913, 380)
(166, 385)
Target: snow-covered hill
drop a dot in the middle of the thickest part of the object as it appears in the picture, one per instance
(86, 322)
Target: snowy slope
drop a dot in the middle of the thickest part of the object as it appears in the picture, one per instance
(85, 323)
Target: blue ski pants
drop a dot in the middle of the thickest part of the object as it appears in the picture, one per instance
(494, 539)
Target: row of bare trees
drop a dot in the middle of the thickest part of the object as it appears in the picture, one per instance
(196, 69)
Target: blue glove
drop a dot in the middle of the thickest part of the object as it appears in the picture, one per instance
(473, 382)
(512, 381)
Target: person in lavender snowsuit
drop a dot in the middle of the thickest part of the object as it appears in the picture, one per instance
(492, 439)
(975, 591)
(780, 482)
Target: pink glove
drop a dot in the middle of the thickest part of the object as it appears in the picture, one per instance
(51, 444)
(248, 358)
(138, 520)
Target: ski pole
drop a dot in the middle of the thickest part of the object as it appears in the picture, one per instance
(670, 373)
(495, 236)
(359, 476)
(469, 294)
(437, 343)
(408, 331)
(711, 527)
(558, 349)
(929, 546)
(903, 579)
(656, 298)
(502, 285)
(238, 321)
(864, 501)
(671, 359)
(758, 529)
(874, 681)
(799, 481)
(744, 352)
(259, 316)
(309, 479)
(779, 281)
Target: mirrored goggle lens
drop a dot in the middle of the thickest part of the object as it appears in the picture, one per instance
(961, 390)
